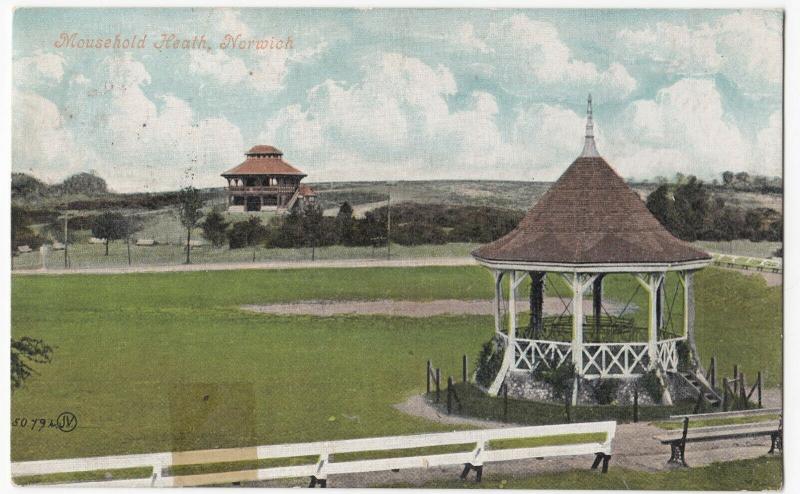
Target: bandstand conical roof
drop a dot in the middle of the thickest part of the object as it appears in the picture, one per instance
(590, 217)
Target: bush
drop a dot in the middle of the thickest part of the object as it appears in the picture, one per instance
(247, 233)
(651, 384)
(605, 390)
(489, 361)
(215, 229)
(684, 355)
(560, 379)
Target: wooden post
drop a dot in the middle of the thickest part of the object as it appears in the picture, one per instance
(635, 404)
(713, 372)
(724, 392)
(597, 302)
(428, 377)
(449, 394)
(743, 390)
(464, 368)
(759, 388)
(438, 381)
(505, 402)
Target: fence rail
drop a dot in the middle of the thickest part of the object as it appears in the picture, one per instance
(325, 452)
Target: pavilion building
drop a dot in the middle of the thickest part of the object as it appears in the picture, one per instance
(591, 226)
(265, 182)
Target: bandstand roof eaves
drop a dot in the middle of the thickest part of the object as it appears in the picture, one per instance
(590, 217)
(564, 267)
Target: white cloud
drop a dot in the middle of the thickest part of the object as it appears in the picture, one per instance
(38, 69)
(530, 56)
(396, 118)
(769, 148)
(745, 47)
(217, 64)
(136, 143)
(40, 142)
(684, 128)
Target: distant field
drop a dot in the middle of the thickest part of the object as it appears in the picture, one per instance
(136, 354)
(741, 247)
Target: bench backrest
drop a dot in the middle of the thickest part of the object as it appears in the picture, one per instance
(479, 452)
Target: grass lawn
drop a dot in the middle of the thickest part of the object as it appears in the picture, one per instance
(166, 361)
(757, 474)
(675, 424)
(85, 255)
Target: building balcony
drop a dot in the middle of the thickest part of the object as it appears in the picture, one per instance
(262, 189)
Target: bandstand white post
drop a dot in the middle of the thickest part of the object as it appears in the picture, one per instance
(650, 282)
(498, 300)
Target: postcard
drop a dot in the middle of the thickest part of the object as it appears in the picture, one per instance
(410, 248)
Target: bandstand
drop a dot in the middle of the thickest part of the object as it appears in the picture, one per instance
(588, 229)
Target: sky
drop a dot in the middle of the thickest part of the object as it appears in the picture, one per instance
(395, 94)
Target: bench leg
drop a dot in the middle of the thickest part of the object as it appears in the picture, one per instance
(606, 459)
(673, 457)
(678, 450)
(318, 482)
(597, 459)
(478, 471)
(777, 442)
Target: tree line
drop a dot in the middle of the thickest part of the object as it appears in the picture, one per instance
(689, 212)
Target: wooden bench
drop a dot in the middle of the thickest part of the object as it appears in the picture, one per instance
(470, 448)
(677, 439)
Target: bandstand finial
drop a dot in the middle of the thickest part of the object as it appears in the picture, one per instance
(589, 148)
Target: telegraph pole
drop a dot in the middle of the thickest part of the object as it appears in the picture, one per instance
(388, 221)
(66, 239)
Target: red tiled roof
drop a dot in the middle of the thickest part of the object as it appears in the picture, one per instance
(256, 164)
(264, 149)
(590, 216)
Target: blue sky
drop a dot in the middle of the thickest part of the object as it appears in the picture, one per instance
(398, 94)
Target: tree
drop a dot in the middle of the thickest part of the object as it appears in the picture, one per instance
(82, 183)
(24, 352)
(21, 232)
(215, 228)
(344, 224)
(727, 178)
(110, 226)
(312, 227)
(189, 204)
(247, 233)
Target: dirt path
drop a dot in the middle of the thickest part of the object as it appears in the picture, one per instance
(410, 308)
(338, 263)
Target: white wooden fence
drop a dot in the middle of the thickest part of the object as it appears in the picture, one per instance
(325, 452)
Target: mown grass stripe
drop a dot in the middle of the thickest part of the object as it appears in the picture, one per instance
(89, 476)
(717, 421)
(402, 453)
(556, 440)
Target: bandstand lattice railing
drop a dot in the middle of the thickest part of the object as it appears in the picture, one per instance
(600, 346)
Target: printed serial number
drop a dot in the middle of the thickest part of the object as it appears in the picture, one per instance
(65, 422)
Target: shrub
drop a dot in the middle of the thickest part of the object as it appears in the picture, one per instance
(215, 228)
(605, 391)
(684, 355)
(560, 379)
(651, 384)
(489, 361)
(247, 233)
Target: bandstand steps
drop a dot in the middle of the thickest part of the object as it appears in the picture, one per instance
(701, 388)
